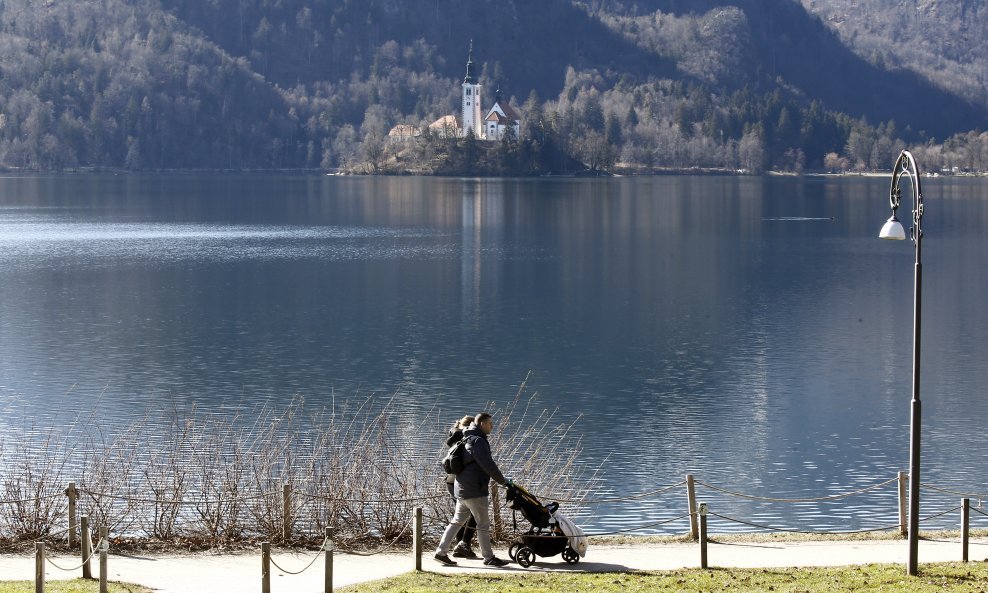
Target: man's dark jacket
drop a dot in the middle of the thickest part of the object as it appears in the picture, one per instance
(475, 478)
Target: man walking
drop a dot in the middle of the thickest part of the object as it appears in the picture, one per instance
(471, 488)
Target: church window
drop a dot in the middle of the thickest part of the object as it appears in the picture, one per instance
(468, 91)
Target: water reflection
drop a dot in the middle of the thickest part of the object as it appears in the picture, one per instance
(750, 331)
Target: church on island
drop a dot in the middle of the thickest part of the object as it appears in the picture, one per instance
(499, 118)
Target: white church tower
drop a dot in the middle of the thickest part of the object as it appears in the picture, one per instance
(471, 101)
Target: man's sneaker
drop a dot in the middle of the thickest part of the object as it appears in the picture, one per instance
(495, 561)
(444, 559)
(462, 551)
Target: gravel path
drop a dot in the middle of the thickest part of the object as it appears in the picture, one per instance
(241, 573)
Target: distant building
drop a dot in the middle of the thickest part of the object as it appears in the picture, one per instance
(447, 126)
(500, 119)
(403, 133)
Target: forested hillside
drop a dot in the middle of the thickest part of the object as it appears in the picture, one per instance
(946, 41)
(794, 49)
(641, 84)
(122, 84)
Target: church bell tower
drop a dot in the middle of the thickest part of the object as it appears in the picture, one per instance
(471, 101)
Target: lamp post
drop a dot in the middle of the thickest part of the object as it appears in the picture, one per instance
(906, 165)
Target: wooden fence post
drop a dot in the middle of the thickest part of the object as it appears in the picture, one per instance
(286, 528)
(73, 494)
(965, 525)
(903, 481)
(703, 535)
(39, 567)
(266, 567)
(104, 547)
(417, 538)
(691, 499)
(328, 588)
(87, 547)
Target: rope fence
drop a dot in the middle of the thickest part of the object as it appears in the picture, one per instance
(381, 501)
(322, 548)
(200, 509)
(796, 500)
(799, 531)
(85, 561)
(281, 517)
(176, 502)
(806, 532)
(34, 499)
(639, 496)
(953, 492)
(380, 550)
(696, 513)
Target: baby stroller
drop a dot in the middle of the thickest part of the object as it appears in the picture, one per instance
(551, 533)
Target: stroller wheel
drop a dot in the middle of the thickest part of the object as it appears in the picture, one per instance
(570, 555)
(513, 551)
(525, 556)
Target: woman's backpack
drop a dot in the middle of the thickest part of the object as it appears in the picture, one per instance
(456, 458)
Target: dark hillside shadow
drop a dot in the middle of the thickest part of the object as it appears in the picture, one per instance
(796, 46)
(533, 42)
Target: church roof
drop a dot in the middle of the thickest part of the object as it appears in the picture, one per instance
(502, 106)
(502, 113)
(501, 119)
(509, 111)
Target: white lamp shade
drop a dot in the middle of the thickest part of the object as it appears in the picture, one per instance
(893, 230)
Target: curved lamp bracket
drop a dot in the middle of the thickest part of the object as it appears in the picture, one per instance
(906, 165)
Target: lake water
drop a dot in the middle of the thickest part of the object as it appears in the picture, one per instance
(752, 331)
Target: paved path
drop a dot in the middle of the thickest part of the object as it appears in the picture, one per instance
(240, 573)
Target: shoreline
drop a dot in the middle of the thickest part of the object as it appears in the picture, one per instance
(618, 173)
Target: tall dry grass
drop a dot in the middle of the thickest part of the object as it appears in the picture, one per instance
(210, 479)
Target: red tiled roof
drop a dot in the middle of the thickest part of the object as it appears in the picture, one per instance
(509, 111)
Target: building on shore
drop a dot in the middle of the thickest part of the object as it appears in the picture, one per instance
(500, 119)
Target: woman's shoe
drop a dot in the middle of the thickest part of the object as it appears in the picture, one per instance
(462, 551)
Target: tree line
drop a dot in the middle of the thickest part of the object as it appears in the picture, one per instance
(125, 84)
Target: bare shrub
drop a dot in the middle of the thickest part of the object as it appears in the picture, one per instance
(215, 479)
(219, 460)
(109, 470)
(166, 474)
(32, 482)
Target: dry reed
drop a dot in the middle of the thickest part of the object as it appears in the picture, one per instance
(209, 479)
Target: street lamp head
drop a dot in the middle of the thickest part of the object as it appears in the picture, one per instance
(893, 230)
(905, 166)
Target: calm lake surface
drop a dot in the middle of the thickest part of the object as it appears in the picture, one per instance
(751, 331)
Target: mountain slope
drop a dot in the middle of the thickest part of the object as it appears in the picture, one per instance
(115, 83)
(781, 45)
(310, 83)
(945, 41)
(530, 45)
(790, 47)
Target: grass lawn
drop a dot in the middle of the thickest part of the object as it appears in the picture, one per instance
(933, 578)
(73, 586)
